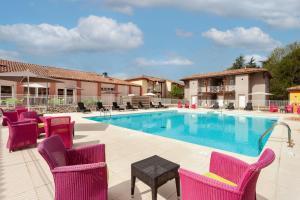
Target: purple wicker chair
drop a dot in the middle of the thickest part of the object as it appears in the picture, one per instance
(79, 174)
(21, 134)
(234, 179)
(61, 126)
(33, 116)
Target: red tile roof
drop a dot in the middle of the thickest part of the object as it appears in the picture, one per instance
(154, 79)
(58, 73)
(294, 88)
(226, 73)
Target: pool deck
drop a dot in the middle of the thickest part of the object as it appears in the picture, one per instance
(25, 175)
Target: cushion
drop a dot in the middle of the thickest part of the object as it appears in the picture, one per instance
(219, 178)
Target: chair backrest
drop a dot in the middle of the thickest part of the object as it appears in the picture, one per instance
(159, 103)
(29, 114)
(247, 183)
(115, 104)
(53, 151)
(12, 116)
(81, 105)
(128, 104)
(99, 105)
(56, 125)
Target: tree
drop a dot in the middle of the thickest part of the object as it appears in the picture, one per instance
(176, 91)
(238, 63)
(284, 66)
(251, 63)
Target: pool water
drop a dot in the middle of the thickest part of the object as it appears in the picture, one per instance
(239, 134)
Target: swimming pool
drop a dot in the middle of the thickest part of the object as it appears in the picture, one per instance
(239, 134)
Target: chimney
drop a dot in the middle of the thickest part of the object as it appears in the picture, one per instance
(104, 74)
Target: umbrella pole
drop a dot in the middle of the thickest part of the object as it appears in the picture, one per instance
(28, 106)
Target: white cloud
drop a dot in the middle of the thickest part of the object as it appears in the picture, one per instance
(8, 55)
(252, 38)
(91, 34)
(278, 13)
(183, 33)
(120, 75)
(258, 58)
(167, 62)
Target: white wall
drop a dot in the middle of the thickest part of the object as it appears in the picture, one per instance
(242, 86)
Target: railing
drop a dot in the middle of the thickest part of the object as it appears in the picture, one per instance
(217, 89)
(290, 141)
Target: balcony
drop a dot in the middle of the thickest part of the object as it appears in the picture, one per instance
(217, 89)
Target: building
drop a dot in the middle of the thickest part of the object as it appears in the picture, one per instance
(228, 86)
(294, 94)
(75, 85)
(159, 86)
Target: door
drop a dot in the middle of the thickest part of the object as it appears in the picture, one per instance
(242, 101)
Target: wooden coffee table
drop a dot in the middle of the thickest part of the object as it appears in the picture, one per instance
(154, 172)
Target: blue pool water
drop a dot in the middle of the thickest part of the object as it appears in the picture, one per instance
(239, 134)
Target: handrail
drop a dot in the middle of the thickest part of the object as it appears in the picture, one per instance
(290, 141)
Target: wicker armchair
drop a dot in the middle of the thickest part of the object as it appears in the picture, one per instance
(78, 173)
(228, 179)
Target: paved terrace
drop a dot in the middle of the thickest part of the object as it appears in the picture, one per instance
(25, 175)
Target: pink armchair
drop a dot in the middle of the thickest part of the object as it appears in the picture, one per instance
(20, 110)
(33, 116)
(21, 134)
(61, 126)
(243, 177)
(273, 108)
(78, 173)
(289, 108)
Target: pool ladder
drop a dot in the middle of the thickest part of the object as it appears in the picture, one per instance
(290, 141)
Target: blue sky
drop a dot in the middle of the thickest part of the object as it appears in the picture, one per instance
(166, 38)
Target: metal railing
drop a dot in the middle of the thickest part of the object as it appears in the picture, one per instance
(290, 141)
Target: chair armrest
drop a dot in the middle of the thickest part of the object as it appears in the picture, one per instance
(80, 168)
(88, 154)
(227, 167)
(195, 186)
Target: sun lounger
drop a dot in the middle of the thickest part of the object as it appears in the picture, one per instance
(248, 106)
(100, 107)
(115, 106)
(130, 107)
(160, 105)
(152, 105)
(230, 106)
(82, 108)
(141, 105)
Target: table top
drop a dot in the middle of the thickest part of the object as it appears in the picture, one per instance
(154, 166)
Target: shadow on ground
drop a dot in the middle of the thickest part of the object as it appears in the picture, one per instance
(90, 127)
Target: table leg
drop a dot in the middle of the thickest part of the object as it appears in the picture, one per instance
(154, 193)
(177, 186)
(132, 184)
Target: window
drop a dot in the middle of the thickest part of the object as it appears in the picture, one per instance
(31, 90)
(42, 91)
(6, 91)
(60, 92)
(231, 81)
(201, 83)
(69, 92)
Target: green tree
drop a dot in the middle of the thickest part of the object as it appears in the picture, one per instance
(251, 63)
(238, 63)
(176, 91)
(284, 66)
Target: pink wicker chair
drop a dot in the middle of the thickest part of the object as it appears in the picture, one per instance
(79, 174)
(20, 110)
(61, 126)
(21, 134)
(289, 108)
(273, 108)
(197, 187)
(33, 116)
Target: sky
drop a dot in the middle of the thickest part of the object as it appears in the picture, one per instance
(125, 38)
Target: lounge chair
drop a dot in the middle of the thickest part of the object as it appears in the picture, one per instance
(230, 106)
(61, 126)
(273, 108)
(11, 116)
(152, 105)
(194, 106)
(298, 110)
(82, 108)
(248, 106)
(100, 107)
(141, 105)
(228, 178)
(130, 107)
(215, 106)
(115, 106)
(21, 134)
(160, 105)
(289, 108)
(78, 173)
